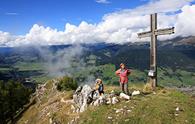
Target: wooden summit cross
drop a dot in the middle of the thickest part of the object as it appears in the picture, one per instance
(153, 33)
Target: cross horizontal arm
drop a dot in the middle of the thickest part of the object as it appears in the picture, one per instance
(144, 34)
(164, 31)
(157, 32)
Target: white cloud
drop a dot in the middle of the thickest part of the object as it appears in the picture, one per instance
(102, 1)
(117, 27)
(11, 13)
(185, 24)
(160, 6)
(6, 38)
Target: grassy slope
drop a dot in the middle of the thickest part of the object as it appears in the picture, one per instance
(146, 109)
(25, 66)
(166, 76)
(156, 108)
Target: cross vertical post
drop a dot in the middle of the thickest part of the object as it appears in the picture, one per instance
(153, 49)
(153, 33)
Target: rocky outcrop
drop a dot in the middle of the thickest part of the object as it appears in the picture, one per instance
(82, 97)
(85, 96)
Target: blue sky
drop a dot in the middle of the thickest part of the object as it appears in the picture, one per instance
(56, 22)
(18, 16)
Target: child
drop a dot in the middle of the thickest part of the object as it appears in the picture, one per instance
(99, 87)
(123, 73)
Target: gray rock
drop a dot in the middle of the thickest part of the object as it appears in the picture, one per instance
(136, 92)
(177, 109)
(108, 100)
(129, 110)
(109, 117)
(85, 96)
(124, 96)
(114, 100)
(82, 97)
(119, 110)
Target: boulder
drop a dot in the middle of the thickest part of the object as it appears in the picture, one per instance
(124, 96)
(114, 100)
(136, 92)
(101, 100)
(108, 100)
(82, 97)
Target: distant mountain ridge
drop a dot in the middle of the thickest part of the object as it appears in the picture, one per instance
(175, 53)
(178, 42)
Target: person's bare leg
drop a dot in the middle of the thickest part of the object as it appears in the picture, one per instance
(126, 88)
(122, 87)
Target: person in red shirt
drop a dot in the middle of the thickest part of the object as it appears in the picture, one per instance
(123, 73)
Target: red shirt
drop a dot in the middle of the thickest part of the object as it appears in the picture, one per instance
(123, 74)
